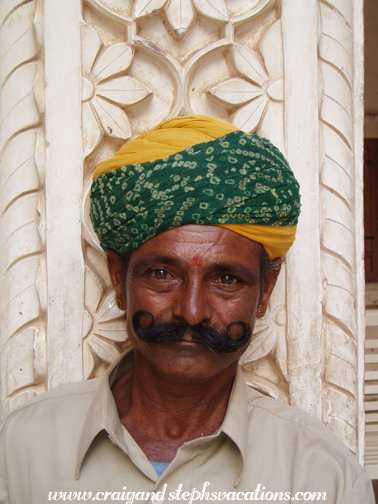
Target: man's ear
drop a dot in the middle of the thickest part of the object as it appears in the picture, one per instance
(270, 279)
(115, 267)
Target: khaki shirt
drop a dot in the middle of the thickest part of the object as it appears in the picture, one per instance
(70, 439)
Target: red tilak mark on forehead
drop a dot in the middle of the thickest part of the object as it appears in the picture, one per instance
(196, 260)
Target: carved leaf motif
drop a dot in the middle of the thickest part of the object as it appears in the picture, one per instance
(337, 172)
(89, 358)
(107, 352)
(19, 231)
(345, 9)
(341, 373)
(19, 107)
(114, 330)
(17, 88)
(281, 355)
(330, 50)
(248, 117)
(339, 411)
(19, 399)
(338, 234)
(249, 64)
(117, 10)
(262, 344)
(113, 119)
(249, 10)
(123, 90)
(236, 91)
(24, 304)
(91, 129)
(334, 114)
(115, 59)
(215, 9)
(265, 385)
(19, 361)
(90, 46)
(87, 90)
(336, 88)
(23, 351)
(7, 6)
(276, 91)
(108, 311)
(336, 43)
(17, 39)
(97, 260)
(87, 324)
(18, 169)
(339, 298)
(272, 124)
(147, 7)
(334, 25)
(107, 337)
(180, 15)
(93, 290)
(272, 50)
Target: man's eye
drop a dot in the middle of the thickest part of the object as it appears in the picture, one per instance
(160, 274)
(227, 280)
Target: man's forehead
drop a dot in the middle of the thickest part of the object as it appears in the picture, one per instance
(196, 243)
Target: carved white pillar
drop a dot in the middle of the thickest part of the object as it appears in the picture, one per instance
(325, 267)
(22, 265)
(299, 26)
(81, 78)
(63, 190)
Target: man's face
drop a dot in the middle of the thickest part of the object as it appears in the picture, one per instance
(197, 275)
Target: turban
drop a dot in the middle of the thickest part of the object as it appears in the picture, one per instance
(195, 170)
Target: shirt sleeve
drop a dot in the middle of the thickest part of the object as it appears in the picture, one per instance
(362, 492)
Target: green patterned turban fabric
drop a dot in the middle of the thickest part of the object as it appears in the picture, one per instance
(234, 179)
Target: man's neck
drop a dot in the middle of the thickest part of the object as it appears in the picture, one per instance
(162, 412)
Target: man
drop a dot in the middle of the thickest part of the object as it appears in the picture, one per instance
(195, 218)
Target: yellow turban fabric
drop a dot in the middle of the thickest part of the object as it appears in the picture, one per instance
(168, 138)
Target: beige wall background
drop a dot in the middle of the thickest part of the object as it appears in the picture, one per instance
(80, 78)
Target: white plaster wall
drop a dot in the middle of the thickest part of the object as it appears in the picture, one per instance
(81, 78)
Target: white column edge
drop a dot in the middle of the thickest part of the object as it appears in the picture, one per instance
(300, 38)
(64, 164)
(358, 108)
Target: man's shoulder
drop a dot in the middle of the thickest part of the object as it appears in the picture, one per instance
(294, 425)
(70, 400)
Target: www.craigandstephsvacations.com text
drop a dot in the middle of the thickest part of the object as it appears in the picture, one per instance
(259, 494)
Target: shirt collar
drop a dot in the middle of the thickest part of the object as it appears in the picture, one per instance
(235, 423)
(102, 415)
(102, 412)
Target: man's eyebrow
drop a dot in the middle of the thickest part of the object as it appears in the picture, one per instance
(153, 260)
(237, 270)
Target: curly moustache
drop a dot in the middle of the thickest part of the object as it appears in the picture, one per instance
(166, 333)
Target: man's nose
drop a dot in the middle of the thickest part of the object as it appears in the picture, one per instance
(192, 304)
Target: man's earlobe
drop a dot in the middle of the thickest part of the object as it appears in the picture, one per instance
(115, 268)
(121, 303)
(261, 310)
